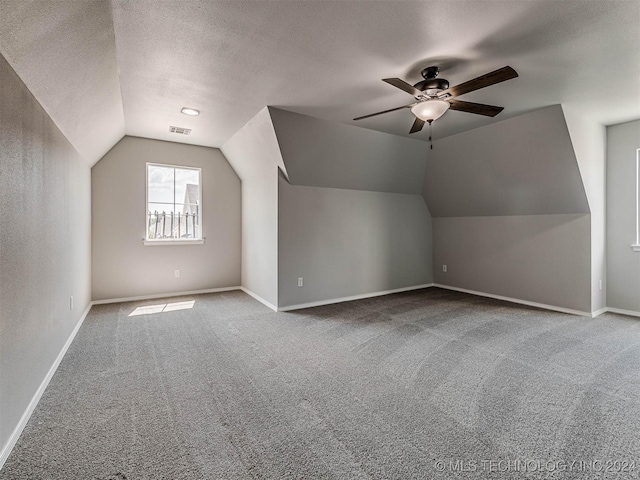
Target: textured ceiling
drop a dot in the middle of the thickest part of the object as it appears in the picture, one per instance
(321, 58)
(64, 51)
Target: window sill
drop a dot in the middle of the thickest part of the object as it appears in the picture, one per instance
(635, 248)
(155, 243)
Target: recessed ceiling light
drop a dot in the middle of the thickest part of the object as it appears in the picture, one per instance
(190, 111)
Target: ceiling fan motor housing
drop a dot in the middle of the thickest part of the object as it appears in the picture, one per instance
(432, 84)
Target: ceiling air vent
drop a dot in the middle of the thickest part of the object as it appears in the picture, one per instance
(180, 130)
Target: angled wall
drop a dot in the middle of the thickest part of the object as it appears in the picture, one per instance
(511, 216)
(351, 218)
(589, 143)
(623, 264)
(334, 204)
(123, 266)
(45, 246)
(254, 154)
(320, 153)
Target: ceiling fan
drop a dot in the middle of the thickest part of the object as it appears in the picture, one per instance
(434, 96)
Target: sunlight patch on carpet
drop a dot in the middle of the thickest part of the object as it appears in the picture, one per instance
(163, 307)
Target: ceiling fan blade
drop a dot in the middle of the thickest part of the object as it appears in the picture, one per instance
(478, 108)
(402, 85)
(417, 125)
(385, 111)
(491, 78)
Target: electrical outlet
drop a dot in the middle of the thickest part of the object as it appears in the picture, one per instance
(600, 284)
(71, 302)
(300, 282)
(177, 273)
(444, 268)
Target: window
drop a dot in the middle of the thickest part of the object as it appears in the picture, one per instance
(174, 205)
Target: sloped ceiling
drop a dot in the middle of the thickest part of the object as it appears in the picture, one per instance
(320, 153)
(64, 51)
(520, 166)
(89, 61)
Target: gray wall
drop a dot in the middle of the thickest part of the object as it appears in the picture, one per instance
(254, 154)
(122, 265)
(511, 216)
(623, 264)
(349, 242)
(260, 236)
(537, 258)
(371, 235)
(351, 217)
(44, 245)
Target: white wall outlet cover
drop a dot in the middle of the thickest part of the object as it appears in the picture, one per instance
(177, 273)
(300, 282)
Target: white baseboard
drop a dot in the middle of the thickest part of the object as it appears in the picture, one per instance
(623, 312)
(13, 438)
(599, 312)
(351, 298)
(181, 294)
(164, 295)
(516, 300)
(259, 298)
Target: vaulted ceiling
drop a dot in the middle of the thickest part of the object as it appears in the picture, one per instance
(104, 69)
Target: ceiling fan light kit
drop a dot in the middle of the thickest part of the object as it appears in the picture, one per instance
(430, 110)
(434, 96)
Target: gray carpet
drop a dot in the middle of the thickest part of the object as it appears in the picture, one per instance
(425, 384)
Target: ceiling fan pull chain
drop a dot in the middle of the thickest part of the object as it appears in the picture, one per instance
(430, 127)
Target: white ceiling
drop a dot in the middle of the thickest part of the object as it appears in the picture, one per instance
(86, 62)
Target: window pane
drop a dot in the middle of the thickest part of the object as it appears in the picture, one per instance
(160, 225)
(164, 207)
(173, 210)
(187, 186)
(186, 208)
(160, 188)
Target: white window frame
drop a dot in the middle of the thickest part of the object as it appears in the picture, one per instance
(171, 241)
(636, 246)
